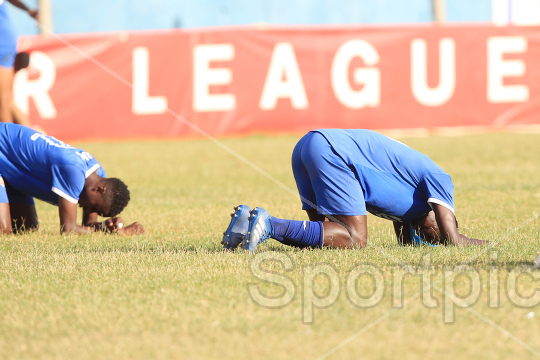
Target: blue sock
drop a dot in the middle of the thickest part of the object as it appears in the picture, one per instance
(297, 233)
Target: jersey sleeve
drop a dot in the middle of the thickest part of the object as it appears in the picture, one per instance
(439, 190)
(67, 181)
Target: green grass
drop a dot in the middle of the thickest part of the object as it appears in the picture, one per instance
(173, 294)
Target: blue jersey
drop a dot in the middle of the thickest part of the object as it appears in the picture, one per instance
(352, 172)
(8, 38)
(43, 167)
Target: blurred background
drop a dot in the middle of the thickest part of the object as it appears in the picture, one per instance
(167, 68)
(104, 15)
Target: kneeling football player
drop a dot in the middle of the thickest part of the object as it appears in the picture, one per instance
(33, 165)
(343, 174)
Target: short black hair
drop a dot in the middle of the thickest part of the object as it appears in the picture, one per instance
(116, 195)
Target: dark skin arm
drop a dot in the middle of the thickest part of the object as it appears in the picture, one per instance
(437, 227)
(68, 218)
(403, 233)
(89, 218)
(20, 5)
(447, 229)
(342, 231)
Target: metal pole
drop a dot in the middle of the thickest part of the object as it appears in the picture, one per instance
(46, 17)
(439, 11)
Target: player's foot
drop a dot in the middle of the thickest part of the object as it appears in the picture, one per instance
(238, 227)
(259, 229)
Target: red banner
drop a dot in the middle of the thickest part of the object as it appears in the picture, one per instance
(230, 81)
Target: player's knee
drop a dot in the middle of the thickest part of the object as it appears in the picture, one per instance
(6, 229)
(358, 240)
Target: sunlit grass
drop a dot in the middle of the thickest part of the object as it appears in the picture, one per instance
(172, 292)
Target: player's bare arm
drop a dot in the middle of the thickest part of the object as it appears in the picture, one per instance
(447, 229)
(22, 6)
(403, 233)
(68, 218)
(429, 229)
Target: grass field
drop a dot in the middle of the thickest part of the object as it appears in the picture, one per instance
(172, 293)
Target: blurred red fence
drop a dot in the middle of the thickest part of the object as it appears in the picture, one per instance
(230, 81)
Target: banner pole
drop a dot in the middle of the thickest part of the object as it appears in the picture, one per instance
(46, 17)
(439, 11)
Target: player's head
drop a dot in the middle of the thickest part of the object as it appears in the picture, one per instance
(428, 229)
(106, 197)
(22, 60)
(116, 196)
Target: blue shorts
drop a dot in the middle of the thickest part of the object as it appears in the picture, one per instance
(324, 180)
(10, 195)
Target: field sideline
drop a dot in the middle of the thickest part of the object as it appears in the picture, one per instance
(172, 293)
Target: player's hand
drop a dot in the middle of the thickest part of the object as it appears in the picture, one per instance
(34, 14)
(132, 229)
(115, 224)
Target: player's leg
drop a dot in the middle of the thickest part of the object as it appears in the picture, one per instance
(345, 231)
(289, 232)
(338, 195)
(22, 209)
(313, 163)
(23, 217)
(313, 215)
(5, 219)
(5, 214)
(340, 231)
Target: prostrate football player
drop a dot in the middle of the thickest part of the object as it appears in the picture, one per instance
(343, 174)
(35, 165)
